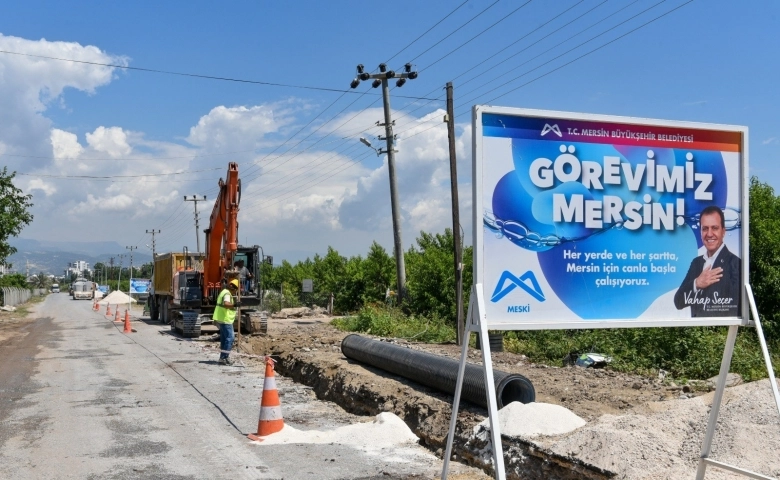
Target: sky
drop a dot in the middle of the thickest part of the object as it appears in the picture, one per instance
(267, 85)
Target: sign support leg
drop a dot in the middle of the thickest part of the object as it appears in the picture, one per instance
(724, 368)
(490, 388)
(713, 421)
(764, 349)
(459, 384)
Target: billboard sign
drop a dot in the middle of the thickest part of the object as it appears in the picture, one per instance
(139, 285)
(592, 221)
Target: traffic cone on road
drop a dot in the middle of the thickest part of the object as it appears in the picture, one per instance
(271, 420)
(116, 317)
(108, 310)
(127, 323)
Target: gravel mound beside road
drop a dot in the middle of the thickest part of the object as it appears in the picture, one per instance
(638, 428)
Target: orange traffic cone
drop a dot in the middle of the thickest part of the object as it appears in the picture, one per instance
(271, 420)
(127, 323)
(116, 317)
(108, 310)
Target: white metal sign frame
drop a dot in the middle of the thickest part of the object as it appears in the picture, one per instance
(483, 316)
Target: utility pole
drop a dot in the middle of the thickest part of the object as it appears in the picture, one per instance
(121, 256)
(381, 78)
(110, 271)
(153, 232)
(131, 259)
(450, 119)
(196, 199)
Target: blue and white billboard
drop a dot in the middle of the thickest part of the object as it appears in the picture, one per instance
(139, 285)
(587, 221)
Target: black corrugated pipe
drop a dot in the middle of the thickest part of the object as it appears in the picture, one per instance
(438, 372)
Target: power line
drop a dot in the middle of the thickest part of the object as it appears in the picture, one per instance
(595, 49)
(455, 31)
(566, 52)
(549, 49)
(426, 32)
(569, 62)
(184, 74)
(477, 35)
(114, 176)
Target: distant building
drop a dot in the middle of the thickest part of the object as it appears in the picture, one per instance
(78, 267)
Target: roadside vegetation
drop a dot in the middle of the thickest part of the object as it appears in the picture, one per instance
(362, 289)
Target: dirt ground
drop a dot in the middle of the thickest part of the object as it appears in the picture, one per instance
(638, 428)
(308, 351)
(13, 325)
(589, 393)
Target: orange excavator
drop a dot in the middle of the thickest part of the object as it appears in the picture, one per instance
(186, 286)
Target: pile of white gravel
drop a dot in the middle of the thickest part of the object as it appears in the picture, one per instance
(533, 419)
(385, 430)
(117, 298)
(663, 440)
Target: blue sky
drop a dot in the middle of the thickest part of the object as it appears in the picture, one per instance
(309, 183)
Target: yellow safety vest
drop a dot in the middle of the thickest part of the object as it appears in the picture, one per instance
(222, 314)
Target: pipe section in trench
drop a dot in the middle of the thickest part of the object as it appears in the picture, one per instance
(438, 372)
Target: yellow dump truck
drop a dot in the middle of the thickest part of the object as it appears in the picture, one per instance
(176, 297)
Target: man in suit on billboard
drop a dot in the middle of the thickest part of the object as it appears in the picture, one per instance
(712, 286)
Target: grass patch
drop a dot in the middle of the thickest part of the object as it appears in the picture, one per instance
(686, 353)
(392, 322)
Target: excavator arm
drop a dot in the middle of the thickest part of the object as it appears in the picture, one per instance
(222, 234)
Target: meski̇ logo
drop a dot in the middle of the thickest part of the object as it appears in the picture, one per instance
(509, 282)
(547, 129)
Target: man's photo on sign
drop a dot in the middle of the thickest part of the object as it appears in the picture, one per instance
(712, 286)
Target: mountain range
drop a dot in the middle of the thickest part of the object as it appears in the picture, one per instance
(52, 256)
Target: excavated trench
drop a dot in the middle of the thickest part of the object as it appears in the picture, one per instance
(365, 390)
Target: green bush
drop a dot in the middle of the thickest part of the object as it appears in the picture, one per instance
(392, 322)
(690, 352)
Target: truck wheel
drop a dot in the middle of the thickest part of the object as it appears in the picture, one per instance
(154, 313)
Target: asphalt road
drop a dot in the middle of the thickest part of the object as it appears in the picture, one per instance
(80, 399)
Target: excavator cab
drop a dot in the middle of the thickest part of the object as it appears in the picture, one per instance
(249, 258)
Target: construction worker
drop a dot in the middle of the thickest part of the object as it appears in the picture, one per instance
(224, 315)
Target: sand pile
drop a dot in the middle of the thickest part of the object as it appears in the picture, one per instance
(663, 440)
(117, 298)
(534, 419)
(387, 429)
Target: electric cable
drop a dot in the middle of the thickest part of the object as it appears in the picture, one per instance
(426, 32)
(476, 36)
(454, 31)
(184, 74)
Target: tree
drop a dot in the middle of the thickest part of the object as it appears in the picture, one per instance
(379, 273)
(39, 281)
(764, 252)
(431, 278)
(13, 280)
(14, 214)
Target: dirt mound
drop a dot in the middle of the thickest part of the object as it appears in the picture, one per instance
(638, 428)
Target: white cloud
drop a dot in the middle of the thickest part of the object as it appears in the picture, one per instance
(38, 184)
(29, 85)
(112, 141)
(92, 204)
(65, 145)
(423, 179)
(233, 128)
